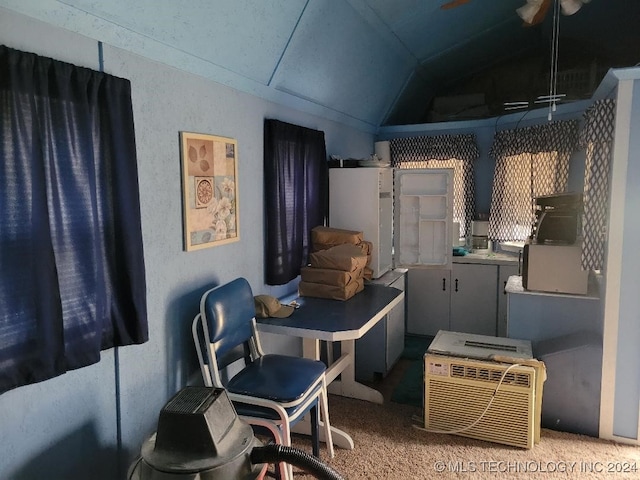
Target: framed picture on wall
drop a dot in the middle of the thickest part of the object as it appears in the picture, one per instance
(209, 190)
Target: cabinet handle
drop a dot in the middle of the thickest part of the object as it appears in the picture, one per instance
(456, 284)
(504, 289)
(444, 284)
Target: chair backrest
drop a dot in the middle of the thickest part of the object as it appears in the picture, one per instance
(228, 311)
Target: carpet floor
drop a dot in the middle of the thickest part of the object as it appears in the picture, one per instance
(408, 389)
(390, 444)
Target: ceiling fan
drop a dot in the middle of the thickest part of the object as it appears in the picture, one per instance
(453, 4)
(533, 11)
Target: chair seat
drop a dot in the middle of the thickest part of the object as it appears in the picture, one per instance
(257, 411)
(280, 378)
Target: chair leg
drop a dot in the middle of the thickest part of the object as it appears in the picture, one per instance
(324, 411)
(282, 470)
(315, 437)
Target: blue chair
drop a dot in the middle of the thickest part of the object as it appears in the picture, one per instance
(270, 391)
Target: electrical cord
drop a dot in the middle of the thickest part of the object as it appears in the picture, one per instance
(493, 396)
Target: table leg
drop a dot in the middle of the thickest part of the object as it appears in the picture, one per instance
(311, 349)
(347, 385)
(340, 438)
(345, 368)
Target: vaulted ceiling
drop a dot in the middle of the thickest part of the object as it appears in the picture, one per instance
(365, 62)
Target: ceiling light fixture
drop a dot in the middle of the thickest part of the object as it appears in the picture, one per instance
(515, 105)
(534, 11)
(547, 98)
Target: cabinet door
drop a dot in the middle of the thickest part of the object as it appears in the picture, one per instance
(474, 298)
(505, 271)
(427, 300)
(423, 216)
(370, 352)
(395, 328)
(395, 335)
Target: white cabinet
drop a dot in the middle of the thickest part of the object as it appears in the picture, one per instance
(468, 298)
(474, 298)
(428, 300)
(505, 271)
(361, 199)
(406, 213)
(380, 348)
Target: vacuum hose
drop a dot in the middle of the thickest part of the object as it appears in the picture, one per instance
(276, 453)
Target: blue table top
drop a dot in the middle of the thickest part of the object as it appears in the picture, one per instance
(335, 320)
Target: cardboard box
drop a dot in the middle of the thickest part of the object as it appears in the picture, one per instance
(323, 238)
(345, 257)
(333, 292)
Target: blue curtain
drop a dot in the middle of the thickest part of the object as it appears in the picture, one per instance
(296, 186)
(73, 278)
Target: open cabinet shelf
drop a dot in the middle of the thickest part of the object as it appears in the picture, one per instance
(423, 216)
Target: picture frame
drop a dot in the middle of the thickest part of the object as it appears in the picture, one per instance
(209, 190)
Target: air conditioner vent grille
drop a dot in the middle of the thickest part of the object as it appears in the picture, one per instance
(508, 420)
(492, 375)
(465, 397)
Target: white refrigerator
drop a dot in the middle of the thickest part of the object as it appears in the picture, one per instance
(406, 213)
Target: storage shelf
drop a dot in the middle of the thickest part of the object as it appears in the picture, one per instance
(423, 217)
(419, 185)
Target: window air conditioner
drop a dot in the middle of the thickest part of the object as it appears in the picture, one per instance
(497, 399)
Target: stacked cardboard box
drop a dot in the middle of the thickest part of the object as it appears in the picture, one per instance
(337, 265)
(323, 238)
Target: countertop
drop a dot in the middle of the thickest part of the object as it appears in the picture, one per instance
(487, 258)
(514, 285)
(389, 277)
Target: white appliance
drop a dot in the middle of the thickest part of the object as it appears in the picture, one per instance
(480, 347)
(483, 387)
(423, 217)
(406, 213)
(480, 242)
(554, 268)
(361, 199)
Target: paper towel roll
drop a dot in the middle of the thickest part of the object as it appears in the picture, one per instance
(382, 151)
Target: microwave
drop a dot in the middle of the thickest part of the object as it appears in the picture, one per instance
(554, 268)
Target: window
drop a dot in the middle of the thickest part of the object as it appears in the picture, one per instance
(447, 151)
(518, 180)
(530, 162)
(71, 257)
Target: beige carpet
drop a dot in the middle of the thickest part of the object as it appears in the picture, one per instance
(388, 446)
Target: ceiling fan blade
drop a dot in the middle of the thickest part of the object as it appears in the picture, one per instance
(453, 4)
(533, 12)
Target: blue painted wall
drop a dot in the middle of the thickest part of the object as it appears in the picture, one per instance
(66, 427)
(92, 420)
